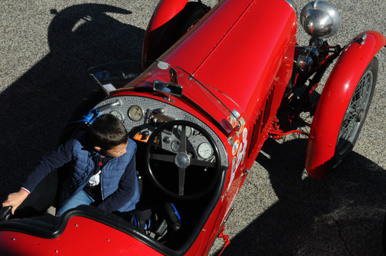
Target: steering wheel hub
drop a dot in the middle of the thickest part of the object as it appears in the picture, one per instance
(182, 160)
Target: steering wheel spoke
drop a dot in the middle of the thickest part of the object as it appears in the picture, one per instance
(181, 160)
(181, 181)
(163, 157)
(203, 163)
(183, 141)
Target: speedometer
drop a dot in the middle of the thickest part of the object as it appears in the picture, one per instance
(135, 113)
(205, 150)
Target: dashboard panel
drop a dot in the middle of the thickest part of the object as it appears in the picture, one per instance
(141, 116)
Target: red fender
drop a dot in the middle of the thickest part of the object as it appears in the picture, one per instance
(165, 11)
(334, 100)
(159, 25)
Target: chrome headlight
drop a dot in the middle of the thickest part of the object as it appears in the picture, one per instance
(320, 19)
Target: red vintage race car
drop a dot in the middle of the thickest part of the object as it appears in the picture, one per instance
(200, 111)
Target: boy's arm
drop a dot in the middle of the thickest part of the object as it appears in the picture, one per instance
(56, 159)
(125, 192)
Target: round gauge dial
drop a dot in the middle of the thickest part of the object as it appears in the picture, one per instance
(175, 146)
(117, 114)
(135, 113)
(188, 130)
(205, 150)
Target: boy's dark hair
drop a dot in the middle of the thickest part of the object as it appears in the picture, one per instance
(107, 131)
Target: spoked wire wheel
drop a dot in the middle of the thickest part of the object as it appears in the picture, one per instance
(356, 111)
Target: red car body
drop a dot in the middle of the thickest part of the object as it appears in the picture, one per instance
(247, 64)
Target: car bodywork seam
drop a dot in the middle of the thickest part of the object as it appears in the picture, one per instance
(222, 38)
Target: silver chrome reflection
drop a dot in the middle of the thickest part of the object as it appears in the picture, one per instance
(320, 19)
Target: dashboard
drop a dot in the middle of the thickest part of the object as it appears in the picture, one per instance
(141, 117)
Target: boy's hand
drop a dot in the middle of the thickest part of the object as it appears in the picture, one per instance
(15, 200)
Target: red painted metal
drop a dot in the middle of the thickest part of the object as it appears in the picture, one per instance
(208, 52)
(161, 23)
(267, 55)
(165, 11)
(249, 83)
(212, 51)
(253, 68)
(334, 101)
(79, 238)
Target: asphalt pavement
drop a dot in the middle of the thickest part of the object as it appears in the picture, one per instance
(46, 48)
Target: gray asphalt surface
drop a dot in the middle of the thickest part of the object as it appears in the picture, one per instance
(46, 48)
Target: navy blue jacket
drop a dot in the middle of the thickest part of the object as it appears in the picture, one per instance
(119, 182)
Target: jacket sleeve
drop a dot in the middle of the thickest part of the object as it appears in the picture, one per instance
(56, 159)
(125, 191)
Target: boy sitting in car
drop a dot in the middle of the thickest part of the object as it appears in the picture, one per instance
(102, 173)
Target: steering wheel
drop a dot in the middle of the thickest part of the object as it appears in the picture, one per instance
(184, 161)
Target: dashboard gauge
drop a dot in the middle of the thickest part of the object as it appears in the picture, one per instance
(205, 150)
(188, 130)
(135, 113)
(175, 146)
(117, 114)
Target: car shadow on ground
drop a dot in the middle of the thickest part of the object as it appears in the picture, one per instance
(341, 214)
(36, 107)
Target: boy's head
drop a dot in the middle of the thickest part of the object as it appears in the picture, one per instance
(109, 134)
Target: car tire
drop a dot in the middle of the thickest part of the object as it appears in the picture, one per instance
(356, 113)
